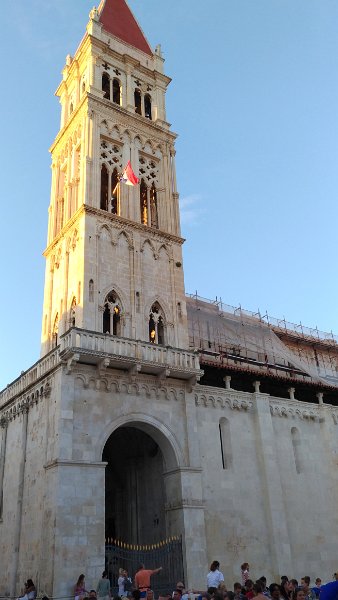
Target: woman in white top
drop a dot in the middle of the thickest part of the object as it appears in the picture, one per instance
(214, 577)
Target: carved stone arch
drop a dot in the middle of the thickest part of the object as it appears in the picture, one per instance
(108, 230)
(124, 233)
(163, 435)
(127, 135)
(147, 146)
(82, 378)
(125, 306)
(157, 299)
(116, 129)
(165, 248)
(138, 141)
(150, 243)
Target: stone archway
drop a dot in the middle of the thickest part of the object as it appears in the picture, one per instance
(134, 487)
(139, 454)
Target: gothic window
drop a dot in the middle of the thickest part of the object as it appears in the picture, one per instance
(297, 451)
(144, 202)
(106, 86)
(138, 102)
(112, 315)
(72, 320)
(153, 206)
(156, 325)
(91, 290)
(116, 91)
(115, 192)
(225, 440)
(55, 331)
(147, 106)
(104, 188)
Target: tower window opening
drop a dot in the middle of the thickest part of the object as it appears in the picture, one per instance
(153, 206)
(106, 86)
(104, 188)
(55, 332)
(73, 313)
(115, 193)
(138, 102)
(144, 202)
(112, 315)
(156, 325)
(91, 290)
(71, 108)
(116, 91)
(147, 106)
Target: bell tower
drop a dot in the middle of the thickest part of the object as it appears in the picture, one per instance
(114, 251)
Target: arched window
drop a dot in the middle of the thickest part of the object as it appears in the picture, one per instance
(71, 108)
(72, 320)
(153, 207)
(55, 331)
(91, 290)
(116, 91)
(144, 202)
(83, 88)
(112, 315)
(138, 102)
(104, 188)
(147, 106)
(156, 325)
(297, 450)
(225, 440)
(115, 193)
(106, 86)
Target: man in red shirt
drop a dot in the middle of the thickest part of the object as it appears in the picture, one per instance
(142, 579)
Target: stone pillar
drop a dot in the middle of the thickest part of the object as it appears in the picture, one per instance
(227, 381)
(19, 505)
(79, 546)
(272, 493)
(320, 397)
(291, 391)
(257, 386)
(3, 426)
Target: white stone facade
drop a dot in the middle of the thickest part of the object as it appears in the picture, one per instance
(246, 475)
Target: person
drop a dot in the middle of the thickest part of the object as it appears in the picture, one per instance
(309, 594)
(92, 595)
(249, 589)
(286, 590)
(238, 591)
(180, 587)
(245, 568)
(298, 594)
(317, 587)
(214, 577)
(150, 595)
(329, 591)
(128, 585)
(142, 579)
(274, 591)
(120, 582)
(257, 589)
(266, 590)
(103, 587)
(222, 589)
(176, 595)
(80, 588)
(29, 591)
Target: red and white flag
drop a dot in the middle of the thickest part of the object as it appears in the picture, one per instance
(128, 175)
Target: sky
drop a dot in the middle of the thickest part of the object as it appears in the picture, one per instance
(254, 100)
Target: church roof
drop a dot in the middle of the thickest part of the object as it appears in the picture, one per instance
(117, 19)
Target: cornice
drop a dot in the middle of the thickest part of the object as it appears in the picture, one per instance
(131, 118)
(56, 463)
(121, 222)
(23, 402)
(76, 216)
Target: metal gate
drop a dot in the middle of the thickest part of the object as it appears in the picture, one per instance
(167, 554)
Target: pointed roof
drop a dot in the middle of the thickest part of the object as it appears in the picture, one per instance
(117, 19)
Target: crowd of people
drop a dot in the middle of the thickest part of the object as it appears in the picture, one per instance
(216, 589)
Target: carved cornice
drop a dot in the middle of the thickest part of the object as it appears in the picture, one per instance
(121, 223)
(25, 401)
(184, 503)
(214, 400)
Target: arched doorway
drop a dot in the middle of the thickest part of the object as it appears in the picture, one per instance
(134, 487)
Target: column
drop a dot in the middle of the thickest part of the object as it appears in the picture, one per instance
(277, 535)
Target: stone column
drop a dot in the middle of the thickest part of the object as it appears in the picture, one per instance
(227, 381)
(277, 535)
(19, 505)
(3, 426)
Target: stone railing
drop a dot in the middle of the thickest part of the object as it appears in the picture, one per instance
(30, 377)
(89, 341)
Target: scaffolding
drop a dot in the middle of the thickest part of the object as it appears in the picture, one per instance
(246, 340)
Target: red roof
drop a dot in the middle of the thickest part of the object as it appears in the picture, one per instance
(117, 19)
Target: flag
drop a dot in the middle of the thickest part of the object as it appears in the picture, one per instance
(128, 175)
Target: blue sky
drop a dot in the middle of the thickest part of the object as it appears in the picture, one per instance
(254, 100)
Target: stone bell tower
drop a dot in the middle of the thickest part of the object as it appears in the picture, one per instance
(114, 252)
